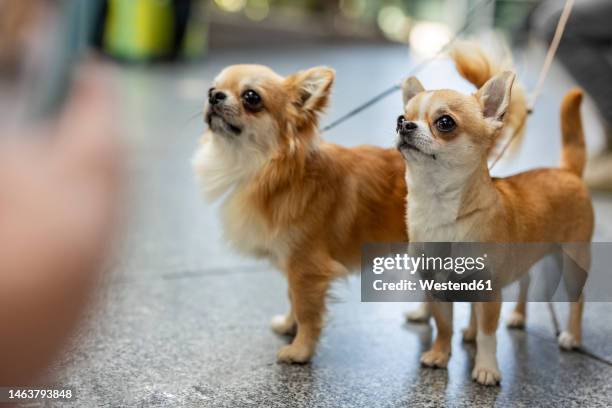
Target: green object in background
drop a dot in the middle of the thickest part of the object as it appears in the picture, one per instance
(139, 29)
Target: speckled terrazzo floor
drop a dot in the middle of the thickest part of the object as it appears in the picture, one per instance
(183, 320)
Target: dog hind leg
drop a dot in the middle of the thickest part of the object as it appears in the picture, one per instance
(519, 314)
(440, 351)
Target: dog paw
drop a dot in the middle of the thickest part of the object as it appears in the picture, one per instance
(567, 341)
(516, 321)
(419, 315)
(283, 326)
(486, 374)
(435, 359)
(468, 335)
(294, 354)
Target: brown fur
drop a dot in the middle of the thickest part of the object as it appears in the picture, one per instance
(340, 198)
(574, 151)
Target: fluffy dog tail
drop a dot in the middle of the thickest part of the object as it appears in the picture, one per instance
(474, 64)
(477, 67)
(573, 153)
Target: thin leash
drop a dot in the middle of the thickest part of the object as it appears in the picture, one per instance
(550, 56)
(552, 51)
(414, 71)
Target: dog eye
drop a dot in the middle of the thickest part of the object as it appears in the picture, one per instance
(251, 99)
(210, 91)
(445, 124)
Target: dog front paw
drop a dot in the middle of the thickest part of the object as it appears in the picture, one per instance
(567, 341)
(283, 325)
(486, 374)
(435, 359)
(516, 321)
(294, 353)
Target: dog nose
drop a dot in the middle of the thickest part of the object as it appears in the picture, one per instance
(216, 97)
(405, 126)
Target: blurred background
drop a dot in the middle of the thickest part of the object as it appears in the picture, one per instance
(423, 24)
(208, 25)
(181, 318)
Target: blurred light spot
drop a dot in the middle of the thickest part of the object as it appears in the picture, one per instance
(352, 8)
(394, 23)
(193, 89)
(231, 5)
(257, 9)
(427, 38)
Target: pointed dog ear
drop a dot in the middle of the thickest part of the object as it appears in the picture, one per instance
(494, 96)
(311, 88)
(410, 87)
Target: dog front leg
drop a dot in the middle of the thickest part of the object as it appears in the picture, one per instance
(486, 370)
(284, 325)
(308, 285)
(576, 264)
(571, 338)
(519, 314)
(440, 351)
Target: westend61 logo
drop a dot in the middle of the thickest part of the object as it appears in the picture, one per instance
(426, 263)
(483, 272)
(408, 272)
(435, 273)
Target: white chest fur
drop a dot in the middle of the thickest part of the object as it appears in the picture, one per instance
(245, 227)
(435, 220)
(433, 211)
(223, 170)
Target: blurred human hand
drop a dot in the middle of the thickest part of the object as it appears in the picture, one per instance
(59, 198)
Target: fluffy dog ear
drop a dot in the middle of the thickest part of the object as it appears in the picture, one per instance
(410, 87)
(311, 88)
(494, 96)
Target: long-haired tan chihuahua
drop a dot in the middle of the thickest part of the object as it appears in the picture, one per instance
(304, 204)
(444, 137)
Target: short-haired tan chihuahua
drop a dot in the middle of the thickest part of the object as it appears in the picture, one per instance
(444, 137)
